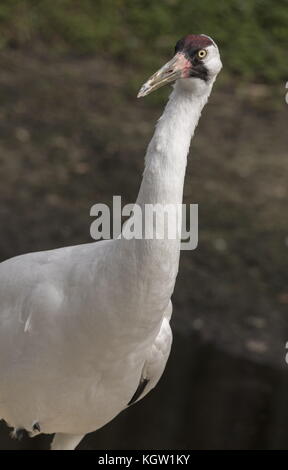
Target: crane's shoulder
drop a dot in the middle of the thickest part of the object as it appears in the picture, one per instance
(50, 256)
(39, 281)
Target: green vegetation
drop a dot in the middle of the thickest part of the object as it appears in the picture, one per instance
(252, 33)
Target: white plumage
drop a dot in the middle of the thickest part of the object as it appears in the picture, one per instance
(81, 327)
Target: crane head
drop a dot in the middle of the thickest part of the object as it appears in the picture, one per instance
(196, 57)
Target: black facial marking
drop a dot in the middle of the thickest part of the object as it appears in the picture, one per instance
(190, 45)
(179, 45)
(199, 70)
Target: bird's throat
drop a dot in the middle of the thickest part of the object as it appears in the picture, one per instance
(166, 157)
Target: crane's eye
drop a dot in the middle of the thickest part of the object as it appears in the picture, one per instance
(202, 53)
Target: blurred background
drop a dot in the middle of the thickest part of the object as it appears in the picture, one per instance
(72, 134)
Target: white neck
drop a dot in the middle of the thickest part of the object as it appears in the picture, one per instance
(165, 164)
(166, 156)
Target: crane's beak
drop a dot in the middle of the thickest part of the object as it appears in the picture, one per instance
(176, 68)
